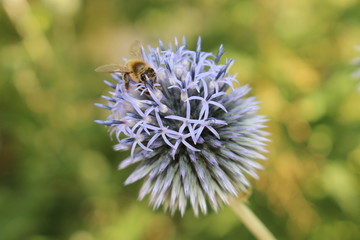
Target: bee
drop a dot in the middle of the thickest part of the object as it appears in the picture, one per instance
(135, 69)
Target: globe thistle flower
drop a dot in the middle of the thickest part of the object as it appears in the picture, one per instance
(193, 135)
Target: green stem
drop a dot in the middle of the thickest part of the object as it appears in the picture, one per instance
(255, 226)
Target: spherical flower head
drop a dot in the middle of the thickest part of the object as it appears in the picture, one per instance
(194, 136)
(356, 62)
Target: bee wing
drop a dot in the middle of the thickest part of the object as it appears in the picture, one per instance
(111, 68)
(135, 50)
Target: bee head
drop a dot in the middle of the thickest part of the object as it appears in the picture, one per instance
(150, 73)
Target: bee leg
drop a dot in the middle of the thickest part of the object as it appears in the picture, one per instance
(146, 87)
(155, 81)
(148, 83)
(152, 84)
(127, 81)
(157, 86)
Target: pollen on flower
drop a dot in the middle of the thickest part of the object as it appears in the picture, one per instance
(194, 136)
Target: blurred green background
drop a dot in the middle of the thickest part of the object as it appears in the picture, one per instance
(58, 172)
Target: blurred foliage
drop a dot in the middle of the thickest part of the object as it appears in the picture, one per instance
(58, 172)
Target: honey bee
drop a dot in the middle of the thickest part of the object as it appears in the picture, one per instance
(135, 69)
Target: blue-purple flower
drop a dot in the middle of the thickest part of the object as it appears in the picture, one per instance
(196, 138)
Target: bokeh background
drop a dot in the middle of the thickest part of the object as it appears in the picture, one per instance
(58, 171)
